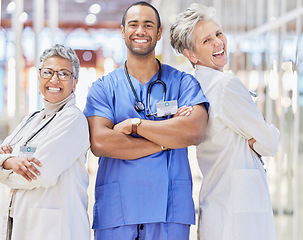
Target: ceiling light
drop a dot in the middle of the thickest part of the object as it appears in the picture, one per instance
(23, 17)
(11, 7)
(90, 19)
(95, 8)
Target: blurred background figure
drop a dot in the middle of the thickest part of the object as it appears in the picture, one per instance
(265, 52)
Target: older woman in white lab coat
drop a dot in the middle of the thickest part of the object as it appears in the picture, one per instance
(43, 160)
(234, 198)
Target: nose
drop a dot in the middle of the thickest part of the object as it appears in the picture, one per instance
(54, 78)
(140, 30)
(218, 42)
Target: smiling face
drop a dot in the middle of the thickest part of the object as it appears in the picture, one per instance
(55, 90)
(141, 33)
(210, 46)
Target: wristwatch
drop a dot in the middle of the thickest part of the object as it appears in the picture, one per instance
(135, 123)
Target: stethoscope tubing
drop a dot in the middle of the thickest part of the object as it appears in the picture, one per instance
(139, 105)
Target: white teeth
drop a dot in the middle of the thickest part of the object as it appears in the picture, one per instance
(220, 52)
(140, 41)
(51, 89)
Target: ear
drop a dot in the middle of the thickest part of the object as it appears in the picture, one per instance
(75, 84)
(122, 31)
(159, 34)
(190, 55)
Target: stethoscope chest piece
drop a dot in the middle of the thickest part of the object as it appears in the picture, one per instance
(139, 106)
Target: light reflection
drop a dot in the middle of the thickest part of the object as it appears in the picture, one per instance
(33, 89)
(11, 87)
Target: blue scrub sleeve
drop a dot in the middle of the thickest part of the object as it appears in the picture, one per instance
(99, 101)
(191, 92)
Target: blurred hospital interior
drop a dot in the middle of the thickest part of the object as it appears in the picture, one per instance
(265, 47)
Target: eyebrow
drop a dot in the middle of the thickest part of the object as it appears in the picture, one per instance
(58, 70)
(208, 36)
(136, 21)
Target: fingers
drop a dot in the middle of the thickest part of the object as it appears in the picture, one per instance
(27, 169)
(251, 143)
(26, 173)
(6, 149)
(184, 111)
(33, 169)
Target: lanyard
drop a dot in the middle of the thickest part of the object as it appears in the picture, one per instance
(34, 134)
(27, 121)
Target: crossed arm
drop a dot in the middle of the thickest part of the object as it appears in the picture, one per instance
(23, 166)
(117, 142)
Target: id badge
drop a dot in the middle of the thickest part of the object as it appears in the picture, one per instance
(167, 108)
(27, 151)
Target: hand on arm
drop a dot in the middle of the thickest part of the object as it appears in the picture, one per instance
(251, 145)
(184, 111)
(23, 166)
(248, 122)
(126, 125)
(186, 129)
(60, 148)
(6, 149)
(115, 142)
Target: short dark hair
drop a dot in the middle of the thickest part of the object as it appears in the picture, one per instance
(142, 3)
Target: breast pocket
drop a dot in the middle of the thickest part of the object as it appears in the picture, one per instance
(44, 224)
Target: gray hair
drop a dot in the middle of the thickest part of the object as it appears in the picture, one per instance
(59, 50)
(181, 32)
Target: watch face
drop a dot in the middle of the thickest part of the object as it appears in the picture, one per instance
(136, 121)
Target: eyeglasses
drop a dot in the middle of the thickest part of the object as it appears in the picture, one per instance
(48, 73)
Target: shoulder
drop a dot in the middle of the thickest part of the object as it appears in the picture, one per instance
(71, 113)
(210, 78)
(170, 70)
(172, 74)
(232, 83)
(109, 79)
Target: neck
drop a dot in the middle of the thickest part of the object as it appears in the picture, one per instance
(50, 108)
(142, 69)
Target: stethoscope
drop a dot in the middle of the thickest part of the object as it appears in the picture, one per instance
(34, 134)
(139, 105)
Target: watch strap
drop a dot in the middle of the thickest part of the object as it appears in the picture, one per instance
(134, 128)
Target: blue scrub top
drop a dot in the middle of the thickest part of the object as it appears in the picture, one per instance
(155, 188)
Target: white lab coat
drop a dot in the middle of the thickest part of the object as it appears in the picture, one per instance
(53, 207)
(234, 198)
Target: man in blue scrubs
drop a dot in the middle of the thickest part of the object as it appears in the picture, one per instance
(143, 189)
